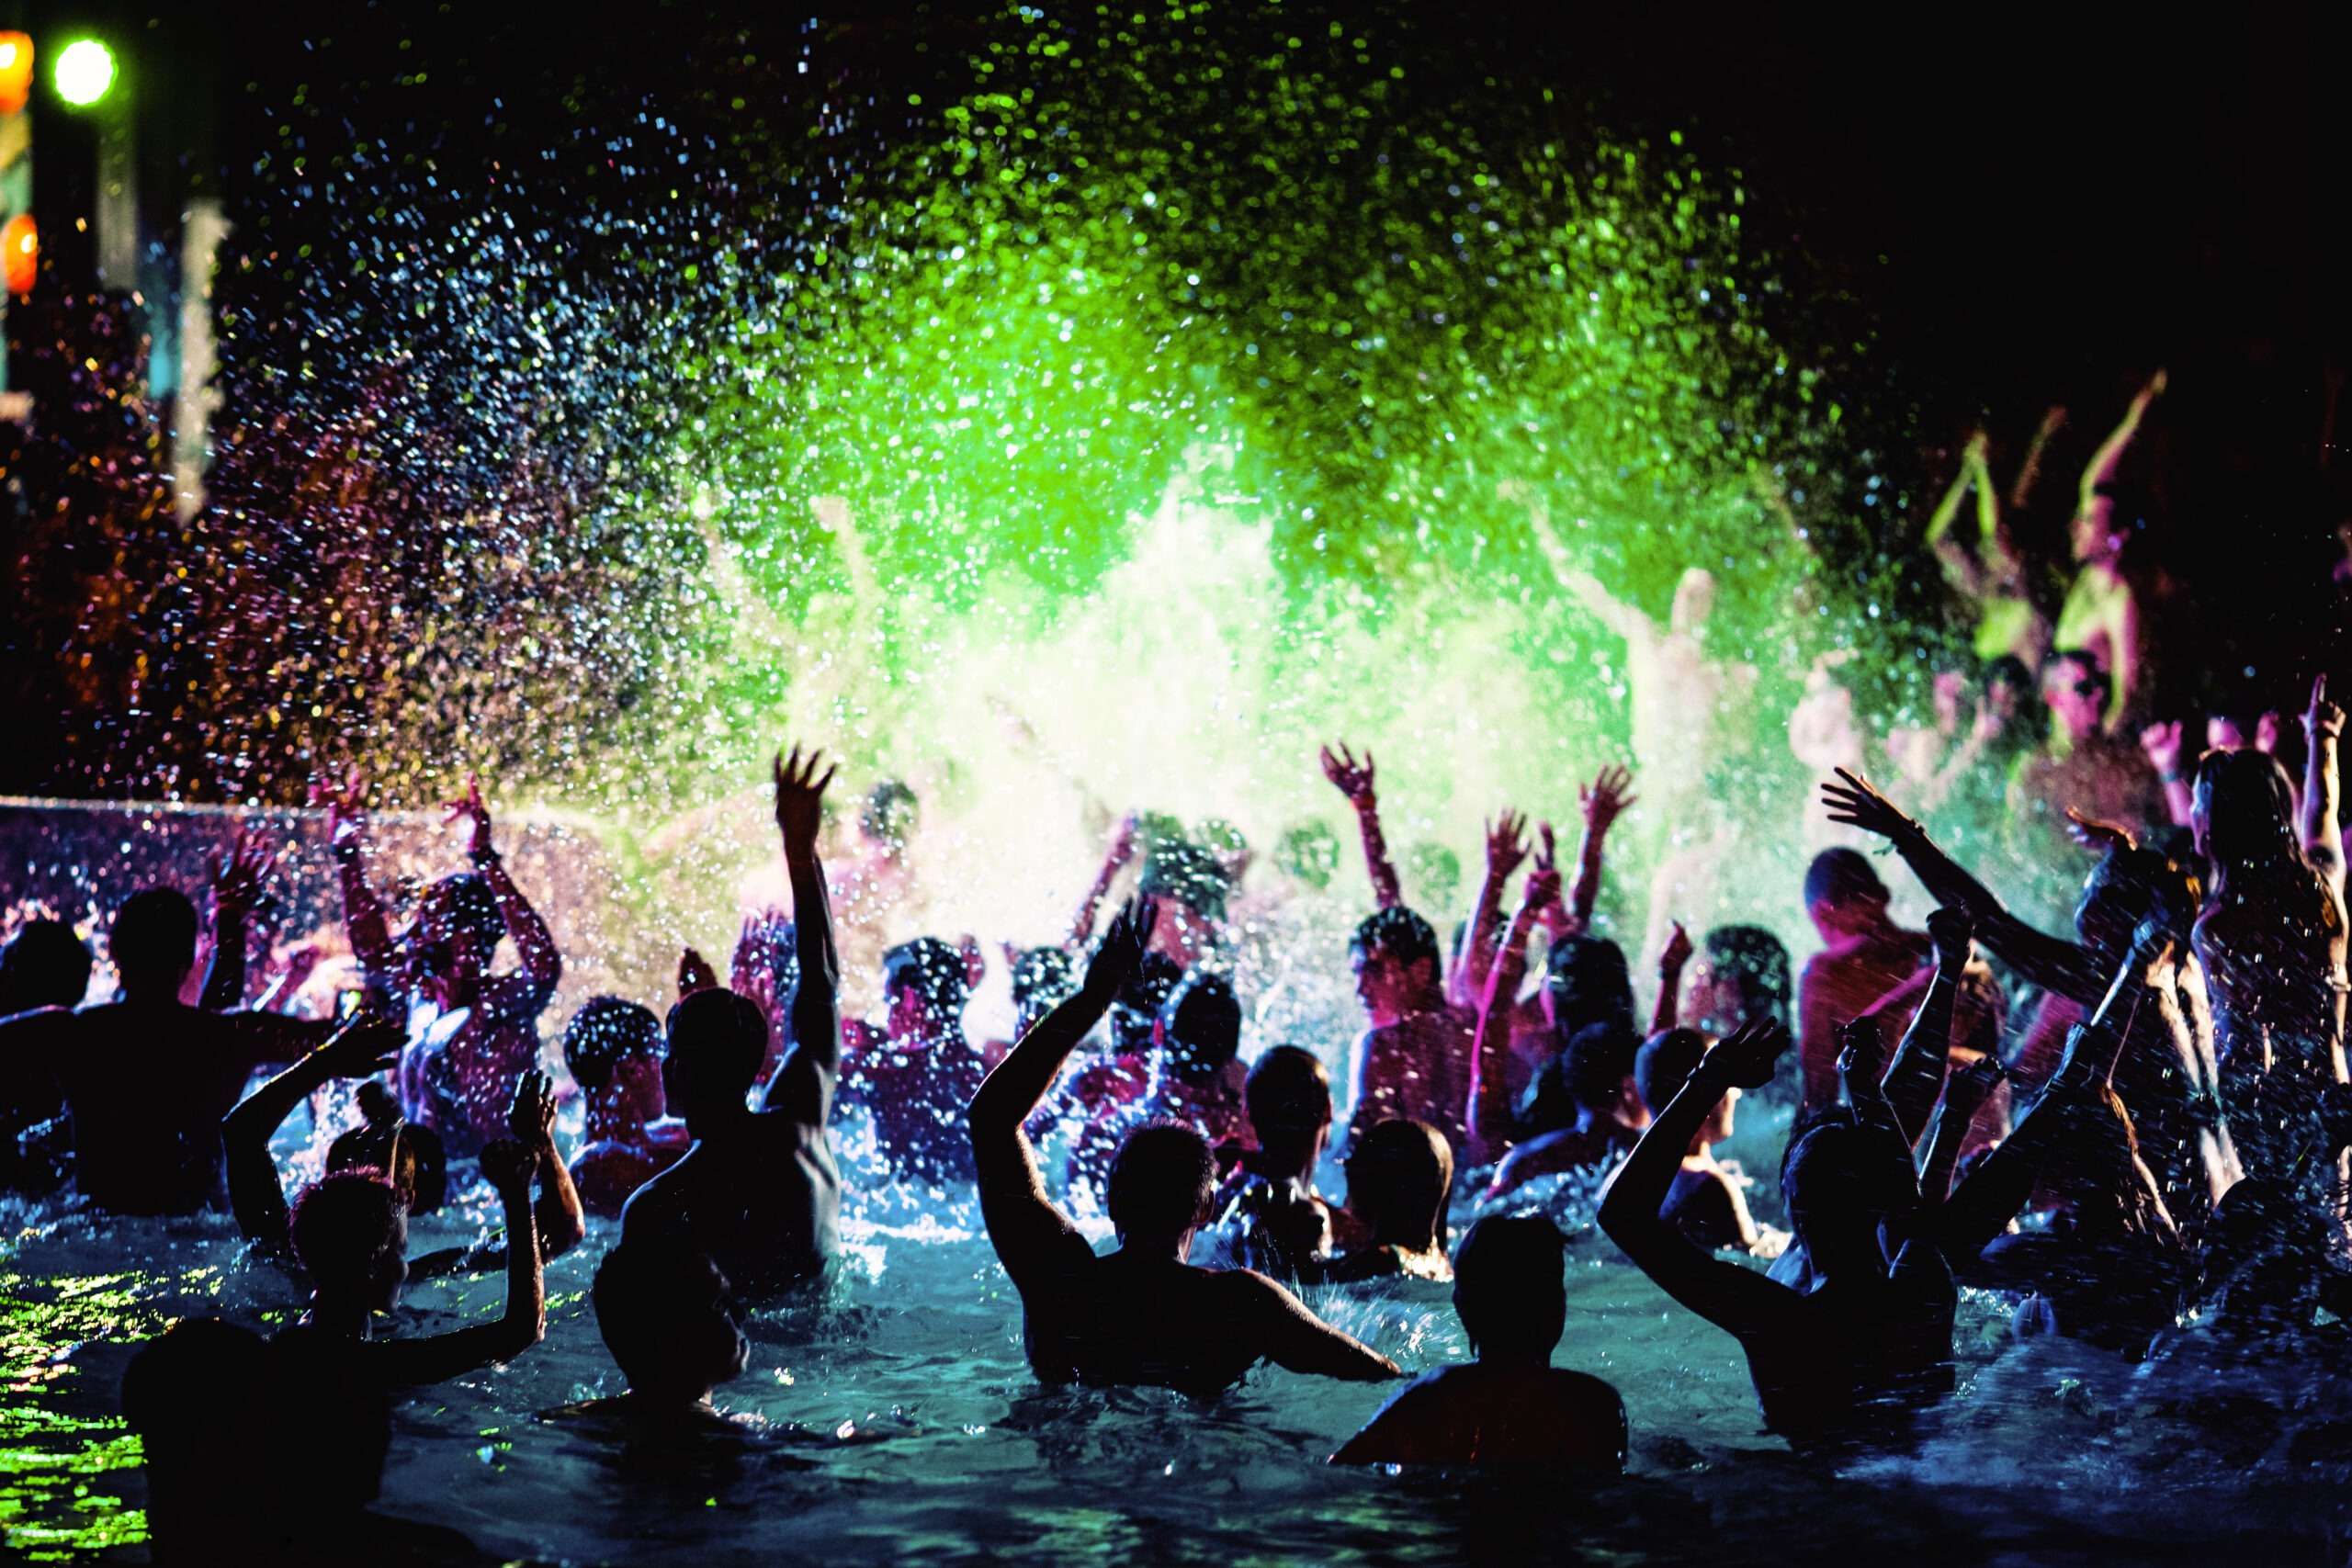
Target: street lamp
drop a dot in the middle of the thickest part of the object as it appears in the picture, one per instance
(85, 72)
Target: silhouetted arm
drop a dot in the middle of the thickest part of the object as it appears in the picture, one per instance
(436, 1359)
(1355, 780)
(1114, 859)
(1667, 1014)
(236, 888)
(1506, 847)
(359, 1049)
(1294, 1337)
(1490, 1118)
(363, 916)
(2109, 458)
(1917, 1074)
(2322, 832)
(803, 1083)
(557, 1215)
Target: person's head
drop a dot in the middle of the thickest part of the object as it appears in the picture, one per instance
(717, 1041)
(44, 965)
(1289, 1097)
(1839, 1186)
(888, 816)
(1665, 1064)
(1135, 1012)
(1309, 851)
(670, 1321)
(458, 925)
(153, 941)
(411, 1157)
(1161, 1181)
(2076, 691)
(614, 1049)
(1509, 1289)
(1433, 873)
(1399, 1175)
(1597, 1068)
(1174, 868)
(926, 985)
(2106, 518)
(1843, 894)
(1043, 978)
(2265, 1251)
(1200, 1026)
(2242, 812)
(2124, 888)
(1394, 955)
(1742, 976)
(350, 1233)
(1694, 601)
(1586, 982)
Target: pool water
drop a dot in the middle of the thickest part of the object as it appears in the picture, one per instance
(904, 1426)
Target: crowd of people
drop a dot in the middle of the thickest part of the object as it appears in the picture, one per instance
(2137, 1129)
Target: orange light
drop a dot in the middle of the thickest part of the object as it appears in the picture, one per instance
(20, 254)
(15, 71)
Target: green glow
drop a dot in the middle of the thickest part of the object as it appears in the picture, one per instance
(85, 72)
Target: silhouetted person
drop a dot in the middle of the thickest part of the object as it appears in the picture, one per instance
(1269, 1216)
(1398, 1179)
(44, 974)
(1511, 1406)
(673, 1323)
(614, 1049)
(1140, 1315)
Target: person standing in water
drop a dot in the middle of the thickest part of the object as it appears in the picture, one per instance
(2101, 615)
(1140, 1315)
(470, 1031)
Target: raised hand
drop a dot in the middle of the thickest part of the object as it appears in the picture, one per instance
(1861, 1052)
(1677, 951)
(360, 1049)
(1547, 852)
(2265, 733)
(2093, 834)
(236, 876)
(2223, 733)
(1506, 843)
(1857, 803)
(1979, 448)
(2161, 742)
(469, 808)
(1121, 951)
(1606, 798)
(695, 973)
(2321, 718)
(1966, 1090)
(1353, 779)
(1745, 1058)
(1542, 889)
(1952, 930)
(800, 797)
(531, 1119)
(341, 798)
(507, 1166)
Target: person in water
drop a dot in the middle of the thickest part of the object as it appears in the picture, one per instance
(913, 1073)
(759, 1192)
(1411, 1063)
(1510, 1405)
(1705, 1203)
(1399, 1177)
(44, 974)
(675, 1329)
(1269, 1215)
(1197, 1078)
(1139, 1314)
(470, 1031)
(614, 1049)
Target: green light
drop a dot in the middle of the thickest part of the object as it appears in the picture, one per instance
(85, 72)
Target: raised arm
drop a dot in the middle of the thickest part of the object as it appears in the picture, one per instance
(363, 916)
(803, 1083)
(1506, 847)
(1489, 1094)
(1917, 1074)
(2323, 832)
(542, 964)
(507, 1166)
(1964, 1095)
(2162, 744)
(557, 1215)
(1022, 1221)
(1727, 1296)
(1114, 859)
(2043, 959)
(236, 888)
(2110, 456)
(1354, 779)
(1601, 803)
(1961, 567)
(361, 1048)
(1668, 1011)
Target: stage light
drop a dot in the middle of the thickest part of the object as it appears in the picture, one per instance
(20, 254)
(15, 71)
(85, 72)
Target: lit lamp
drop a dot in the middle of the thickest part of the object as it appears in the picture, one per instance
(20, 254)
(15, 71)
(83, 73)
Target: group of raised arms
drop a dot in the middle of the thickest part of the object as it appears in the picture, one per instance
(2171, 1120)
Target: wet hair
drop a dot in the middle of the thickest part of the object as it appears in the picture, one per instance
(1178, 869)
(1404, 1168)
(1201, 1025)
(153, 932)
(1309, 852)
(931, 968)
(1665, 1064)
(2126, 888)
(467, 904)
(1843, 875)
(44, 965)
(720, 1038)
(1754, 960)
(388, 1146)
(1595, 1064)
(1137, 1007)
(345, 1224)
(1043, 978)
(1399, 932)
(604, 1031)
(889, 812)
(1288, 1094)
(1832, 1169)
(1161, 1181)
(1508, 1286)
(1589, 984)
(2249, 809)
(649, 1297)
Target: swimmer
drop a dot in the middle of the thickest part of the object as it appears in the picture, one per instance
(759, 1191)
(1139, 1314)
(1509, 1406)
